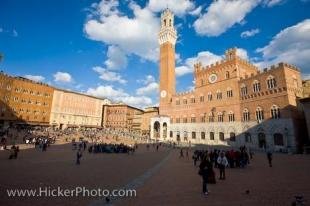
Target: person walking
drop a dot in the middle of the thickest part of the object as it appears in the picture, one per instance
(78, 156)
(269, 157)
(204, 168)
(181, 153)
(222, 164)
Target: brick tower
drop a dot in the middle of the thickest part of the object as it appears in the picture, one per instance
(167, 39)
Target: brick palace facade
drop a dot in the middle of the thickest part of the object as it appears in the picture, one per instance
(233, 102)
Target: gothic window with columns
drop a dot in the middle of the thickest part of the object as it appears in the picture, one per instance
(192, 99)
(259, 114)
(256, 86)
(231, 116)
(202, 98)
(220, 117)
(271, 82)
(211, 117)
(244, 90)
(218, 94)
(275, 112)
(184, 119)
(209, 96)
(229, 92)
(246, 115)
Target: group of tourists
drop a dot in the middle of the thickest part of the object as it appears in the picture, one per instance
(220, 159)
(112, 148)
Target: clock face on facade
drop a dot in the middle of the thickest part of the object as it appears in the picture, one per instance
(163, 93)
(212, 78)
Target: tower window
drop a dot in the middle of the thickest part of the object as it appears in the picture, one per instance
(165, 22)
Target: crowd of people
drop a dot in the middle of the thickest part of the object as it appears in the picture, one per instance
(219, 159)
(112, 148)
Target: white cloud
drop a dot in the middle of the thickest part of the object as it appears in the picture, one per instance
(291, 45)
(149, 89)
(118, 95)
(249, 33)
(150, 86)
(35, 78)
(223, 14)
(196, 12)
(107, 8)
(116, 58)
(306, 76)
(205, 57)
(133, 35)
(242, 53)
(109, 75)
(62, 77)
(271, 3)
(148, 79)
(179, 7)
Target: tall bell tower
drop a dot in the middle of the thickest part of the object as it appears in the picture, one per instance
(167, 38)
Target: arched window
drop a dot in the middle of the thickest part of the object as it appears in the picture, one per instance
(184, 101)
(275, 112)
(211, 117)
(244, 90)
(171, 134)
(209, 96)
(211, 135)
(185, 136)
(218, 94)
(232, 136)
(193, 99)
(169, 22)
(165, 22)
(203, 135)
(220, 117)
(278, 139)
(193, 135)
(271, 82)
(246, 115)
(256, 86)
(231, 116)
(221, 136)
(259, 114)
(227, 75)
(193, 119)
(229, 92)
(202, 98)
(184, 119)
(247, 137)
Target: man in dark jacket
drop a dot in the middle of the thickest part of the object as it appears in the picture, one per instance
(204, 167)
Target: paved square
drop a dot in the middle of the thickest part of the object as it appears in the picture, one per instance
(161, 178)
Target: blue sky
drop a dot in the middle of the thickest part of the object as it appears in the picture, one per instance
(109, 48)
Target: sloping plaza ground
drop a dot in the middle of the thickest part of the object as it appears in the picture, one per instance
(161, 178)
